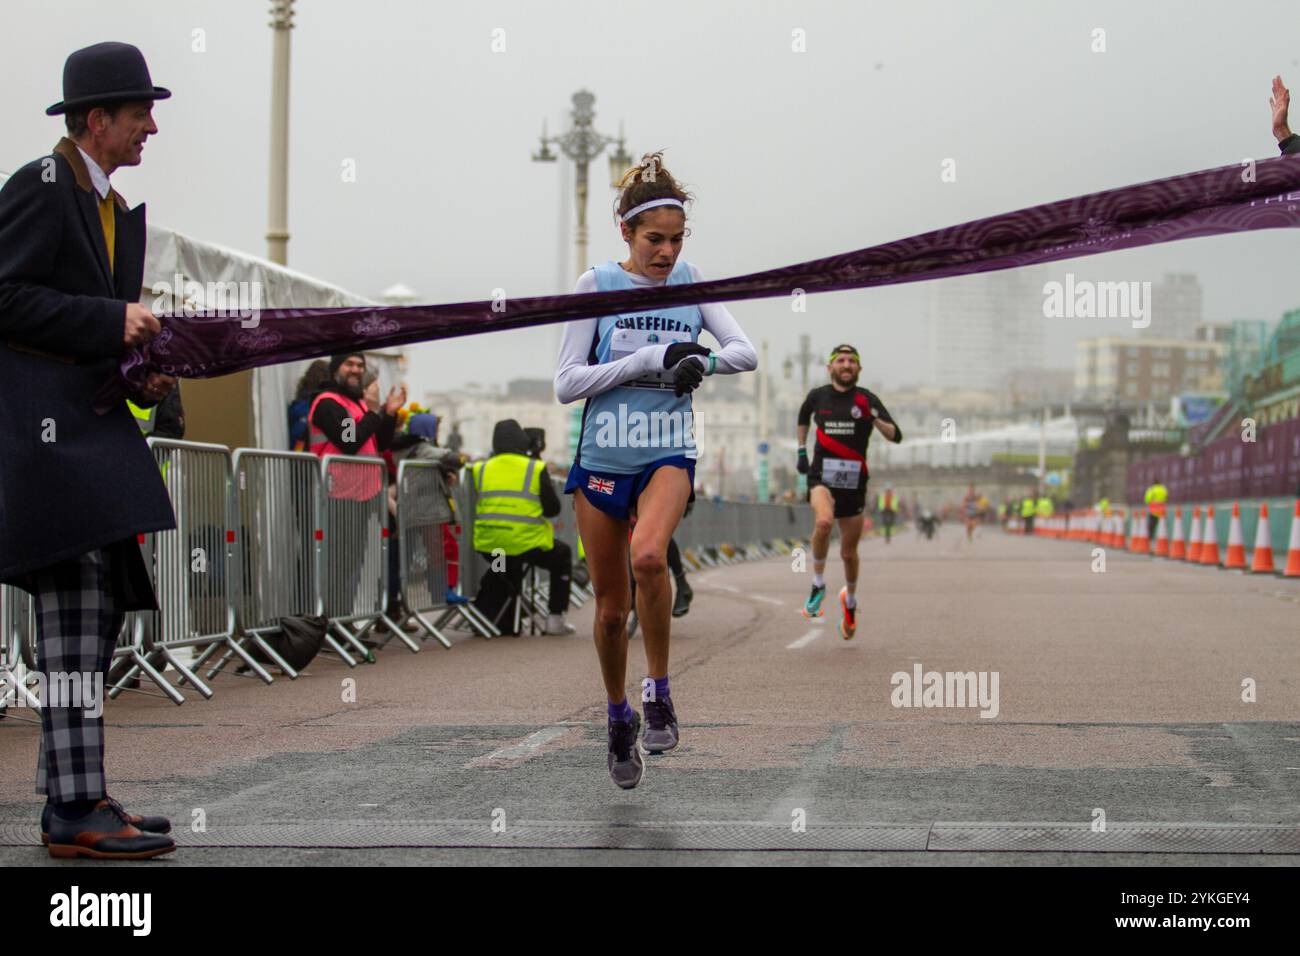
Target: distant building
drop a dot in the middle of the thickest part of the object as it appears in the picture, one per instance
(1035, 387)
(1176, 307)
(1135, 371)
(1272, 388)
(983, 326)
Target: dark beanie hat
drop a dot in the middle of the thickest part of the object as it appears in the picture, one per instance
(337, 360)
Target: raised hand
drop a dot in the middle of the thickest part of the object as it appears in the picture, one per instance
(396, 399)
(1280, 102)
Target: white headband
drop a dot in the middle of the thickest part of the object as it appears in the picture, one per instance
(635, 210)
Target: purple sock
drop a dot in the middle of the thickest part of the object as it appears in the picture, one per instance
(661, 687)
(621, 711)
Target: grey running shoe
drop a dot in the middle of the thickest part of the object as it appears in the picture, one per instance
(625, 762)
(682, 602)
(660, 726)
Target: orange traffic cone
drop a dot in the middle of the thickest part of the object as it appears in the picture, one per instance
(1236, 557)
(1177, 547)
(1121, 531)
(1210, 540)
(1262, 562)
(1293, 548)
(1140, 543)
(1162, 539)
(1194, 538)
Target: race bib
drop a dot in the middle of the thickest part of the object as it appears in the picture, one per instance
(841, 473)
(625, 342)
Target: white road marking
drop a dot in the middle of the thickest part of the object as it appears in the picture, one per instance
(526, 748)
(759, 597)
(727, 587)
(804, 641)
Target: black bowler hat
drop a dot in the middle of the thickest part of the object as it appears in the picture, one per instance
(105, 73)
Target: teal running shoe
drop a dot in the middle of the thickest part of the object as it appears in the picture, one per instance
(813, 606)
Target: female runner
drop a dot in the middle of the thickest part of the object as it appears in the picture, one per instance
(637, 452)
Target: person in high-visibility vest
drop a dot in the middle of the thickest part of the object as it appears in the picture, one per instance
(887, 505)
(1155, 499)
(164, 420)
(1027, 514)
(513, 498)
(346, 418)
(1103, 506)
(1044, 507)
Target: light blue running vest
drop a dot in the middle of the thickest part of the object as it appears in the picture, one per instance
(641, 421)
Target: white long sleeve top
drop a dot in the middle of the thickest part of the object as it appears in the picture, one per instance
(575, 379)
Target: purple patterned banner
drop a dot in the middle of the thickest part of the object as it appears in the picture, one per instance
(1227, 468)
(1207, 203)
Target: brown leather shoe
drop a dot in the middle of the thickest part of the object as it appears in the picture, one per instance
(147, 824)
(105, 833)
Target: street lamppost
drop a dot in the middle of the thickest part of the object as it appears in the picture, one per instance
(277, 230)
(581, 143)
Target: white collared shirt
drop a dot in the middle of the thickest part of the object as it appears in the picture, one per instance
(98, 178)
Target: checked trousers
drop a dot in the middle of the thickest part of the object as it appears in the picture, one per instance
(76, 631)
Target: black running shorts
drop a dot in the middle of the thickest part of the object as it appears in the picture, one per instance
(848, 504)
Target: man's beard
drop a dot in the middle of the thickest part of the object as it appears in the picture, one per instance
(853, 381)
(354, 392)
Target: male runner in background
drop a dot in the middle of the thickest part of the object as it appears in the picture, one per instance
(844, 415)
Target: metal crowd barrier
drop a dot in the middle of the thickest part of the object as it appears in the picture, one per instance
(472, 565)
(275, 552)
(533, 587)
(727, 532)
(136, 653)
(17, 650)
(421, 519)
(352, 551)
(192, 569)
(264, 535)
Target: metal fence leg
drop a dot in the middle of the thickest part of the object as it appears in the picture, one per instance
(208, 652)
(235, 647)
(396, 630)
(479, 621)
(22, 697)
(431, 629)
(151, 672)
(346, 634)
(338, 648)
(253, 664)
(475, 618)
(185, 673)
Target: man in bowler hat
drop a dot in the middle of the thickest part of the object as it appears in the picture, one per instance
(77, 488)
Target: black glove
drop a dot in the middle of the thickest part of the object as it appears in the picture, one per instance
(680, 350)
(802, 465)
(687, 375)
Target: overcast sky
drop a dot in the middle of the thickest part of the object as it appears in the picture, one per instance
(792, 155)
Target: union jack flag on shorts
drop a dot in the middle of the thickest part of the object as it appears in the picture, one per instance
(604, 485)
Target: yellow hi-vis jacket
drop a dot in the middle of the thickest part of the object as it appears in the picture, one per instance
(1044, 507)
(1027, 508)
(509, 510)
(144, 417)
(1156, 497)
(891, 504)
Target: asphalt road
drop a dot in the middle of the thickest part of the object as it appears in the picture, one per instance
(1117, 693)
